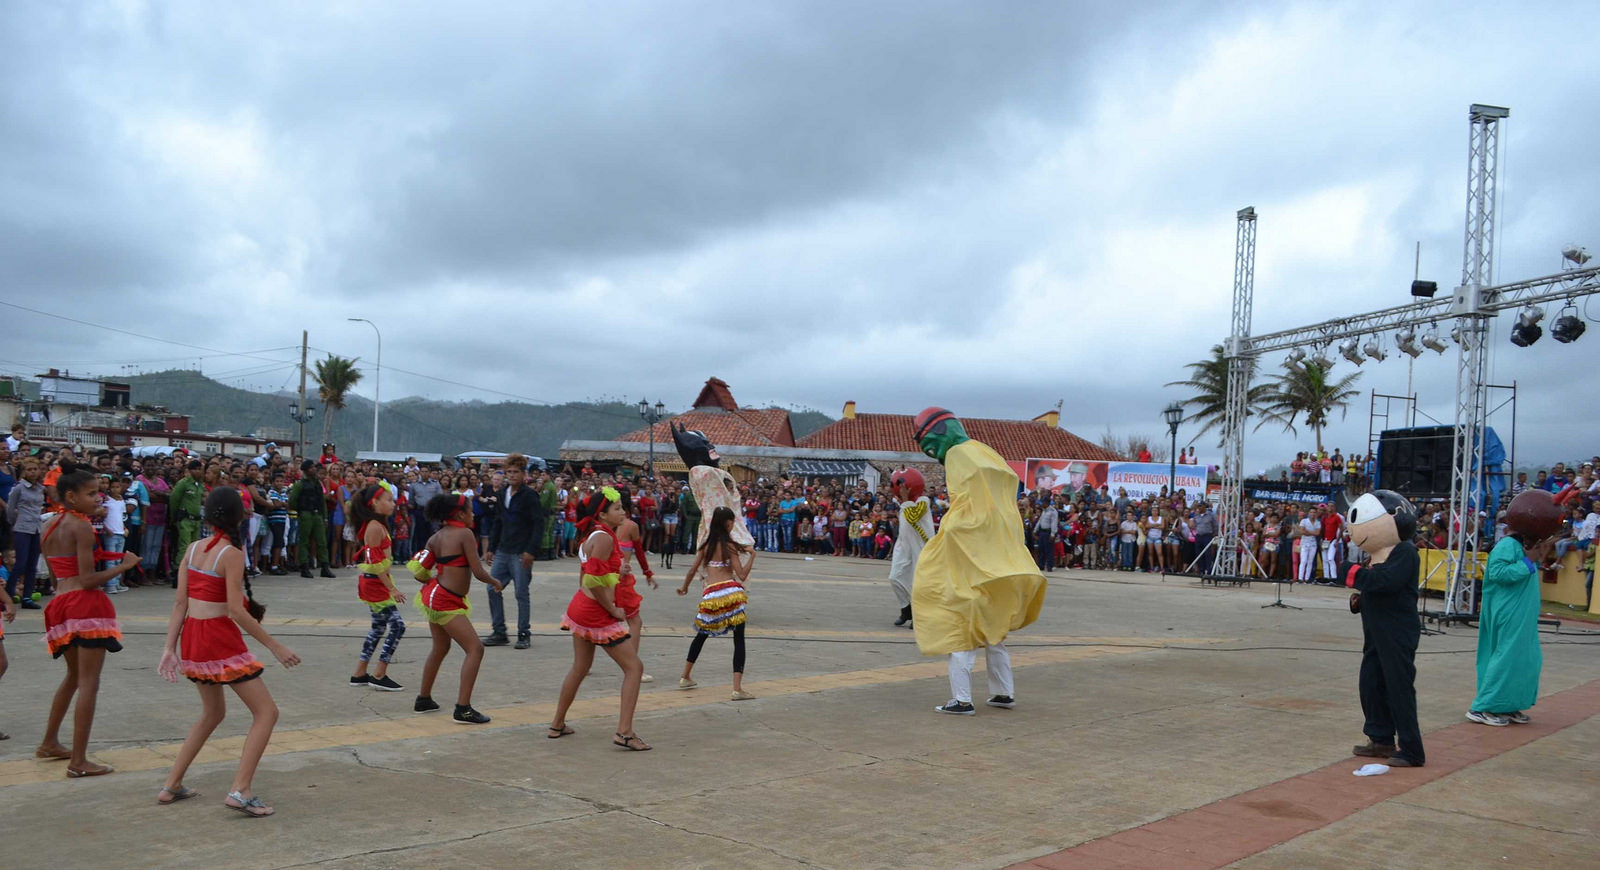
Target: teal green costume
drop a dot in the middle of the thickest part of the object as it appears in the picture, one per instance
(1509, 659)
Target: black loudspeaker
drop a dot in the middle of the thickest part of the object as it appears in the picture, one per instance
(1417, 462)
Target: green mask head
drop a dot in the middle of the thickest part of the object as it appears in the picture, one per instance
(937, 431)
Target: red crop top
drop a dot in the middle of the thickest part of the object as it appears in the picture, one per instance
(206, 586)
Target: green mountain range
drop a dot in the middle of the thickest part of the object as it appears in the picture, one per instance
(406, 425)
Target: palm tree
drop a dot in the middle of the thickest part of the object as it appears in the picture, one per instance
(335, 377)
(1209, 379)
(1306, 389)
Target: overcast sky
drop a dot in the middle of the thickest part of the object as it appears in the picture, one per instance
(986, 206)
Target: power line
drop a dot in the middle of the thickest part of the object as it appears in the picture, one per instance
(213, 350)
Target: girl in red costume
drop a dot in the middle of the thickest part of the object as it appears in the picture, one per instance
(597, 618)
(212, 603)
(447, 567)
(80, 624)
(376, 587)
(630, 540)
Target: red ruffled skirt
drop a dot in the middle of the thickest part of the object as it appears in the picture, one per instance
(627, 595)
(213, 651)
(84, 617)
(588, 620)
(439, 605)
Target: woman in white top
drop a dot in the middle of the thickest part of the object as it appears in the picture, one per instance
(1154, 526)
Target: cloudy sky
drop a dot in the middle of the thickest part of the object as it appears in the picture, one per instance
(986, 206)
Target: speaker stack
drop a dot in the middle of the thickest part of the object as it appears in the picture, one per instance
(1416, 462)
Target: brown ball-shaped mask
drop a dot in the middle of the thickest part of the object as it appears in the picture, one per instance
(1534, 515)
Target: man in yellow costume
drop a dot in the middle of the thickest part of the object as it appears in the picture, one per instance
(975, 582)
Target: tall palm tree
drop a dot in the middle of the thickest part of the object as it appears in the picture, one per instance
(1209, 379)
(335, 377)
(1307, 390)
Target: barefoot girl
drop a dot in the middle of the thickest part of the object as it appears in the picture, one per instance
(213, 601)
(630, 540)
(447, 566)
(80, 623)
(596, 619)
(722, 606)
(376, 587)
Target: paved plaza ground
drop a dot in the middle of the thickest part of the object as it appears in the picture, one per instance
(1159, 724)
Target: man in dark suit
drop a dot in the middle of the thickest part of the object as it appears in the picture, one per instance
(513, 538)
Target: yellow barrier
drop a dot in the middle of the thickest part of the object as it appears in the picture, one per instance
(1570, 579)
(1435, 569)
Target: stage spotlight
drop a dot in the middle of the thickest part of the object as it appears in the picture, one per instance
(1527, 331)
(1374, 349)
(1432, 341)
(1575, 255)
(1296, 357)
(1321, 359)
(1569, 326)
(1424, 289)
(1406, 340)
(1462, 338)
(1350, 351)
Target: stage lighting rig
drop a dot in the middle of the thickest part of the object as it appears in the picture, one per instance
(1527, 331)
(1350, 351)
(1575, 255)
(1569, 327)
(1432, 341)
(1462, 338)
(1406, 340)
(1296, 357)
(1374, 349)
(1321, 359)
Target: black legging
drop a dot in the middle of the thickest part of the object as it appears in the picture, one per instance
(738, 647)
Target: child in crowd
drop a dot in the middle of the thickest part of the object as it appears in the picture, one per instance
(864, 536)
(80, 624)
(115, 538)
(447, 566)
(722, 605)
(204, 644)
(278, 522)
(882, 544)
(368, 511)
(819, 533)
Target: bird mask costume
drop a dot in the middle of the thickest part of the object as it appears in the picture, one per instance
(712, 487)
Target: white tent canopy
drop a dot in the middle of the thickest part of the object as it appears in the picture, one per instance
(397, 457)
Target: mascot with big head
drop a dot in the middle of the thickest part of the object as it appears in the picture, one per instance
(1509, 659)
(1382, 523)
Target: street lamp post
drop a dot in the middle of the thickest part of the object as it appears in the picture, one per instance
(651, 414)
(377, 378)
(301, 416)
(1174, 416)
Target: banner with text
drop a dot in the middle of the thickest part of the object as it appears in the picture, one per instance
(1138, 479)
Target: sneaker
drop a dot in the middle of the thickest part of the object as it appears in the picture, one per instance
(424, 704)
(1518, 718)
(741, 695)
(523, 641)
(29, 604)
(905, 616)
(686, 683)
(1483, 718)
(361, 682)
(1005, 701)
(496, 639)
(468, 716)
(956, 708)
(386, 683)
(647, 679)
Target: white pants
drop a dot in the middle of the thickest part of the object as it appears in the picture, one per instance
(1330, 560)
(997, 664)
(1308, 558)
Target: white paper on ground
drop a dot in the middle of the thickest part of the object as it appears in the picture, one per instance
(1372, 770)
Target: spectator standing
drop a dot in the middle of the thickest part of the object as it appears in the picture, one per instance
(1332, 524)
(1310, 534)
(309, 502)
(512, 542)
(1336, 468)
(1045, 531)
(1205, 529)
(422, 492)
(24, 508)
(186, 503)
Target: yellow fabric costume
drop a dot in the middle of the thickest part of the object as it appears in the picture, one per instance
(975, 582)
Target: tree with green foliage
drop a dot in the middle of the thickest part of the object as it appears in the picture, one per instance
(1306, 389)
(1208, 378)
(335, 377)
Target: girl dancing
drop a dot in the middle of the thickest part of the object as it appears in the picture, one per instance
(447, 567)
(722, 607)
(631, 541)
(80, 624)
(204, 644)
(596, 619)
(367, 512)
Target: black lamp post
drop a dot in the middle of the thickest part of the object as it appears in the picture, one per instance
(301, 417)
(651, 414)
(1174, 416)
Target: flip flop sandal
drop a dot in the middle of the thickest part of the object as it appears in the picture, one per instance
(632, 744)
(555, 733)
(248, 806)
(97, 770)
(181, 793)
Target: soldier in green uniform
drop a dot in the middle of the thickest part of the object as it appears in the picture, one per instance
(186, 505)
(307, 498)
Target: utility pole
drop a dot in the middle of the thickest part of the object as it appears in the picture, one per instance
(300, 445)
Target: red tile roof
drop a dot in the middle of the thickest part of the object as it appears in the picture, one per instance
(1014, 440)
(724, 422)
(715, 394)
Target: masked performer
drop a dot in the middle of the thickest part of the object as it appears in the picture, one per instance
(975, 581)
(712, 487)
(916, 530)
(1382, 522)
(1509, 659)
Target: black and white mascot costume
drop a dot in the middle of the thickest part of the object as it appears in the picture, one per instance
(1382, 523)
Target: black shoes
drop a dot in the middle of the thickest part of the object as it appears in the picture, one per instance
(1005, 701)
(326, 572)
(306, 573)
(496, 639)
(905, 616)
(360, 682)
(468, 716)
(956, 708)
(1371, 749)
(424, 704)
(29, 604)
(1402, 761)
(523, 641)
(384, 683)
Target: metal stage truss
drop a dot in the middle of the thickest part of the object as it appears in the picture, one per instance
(1471, 306)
